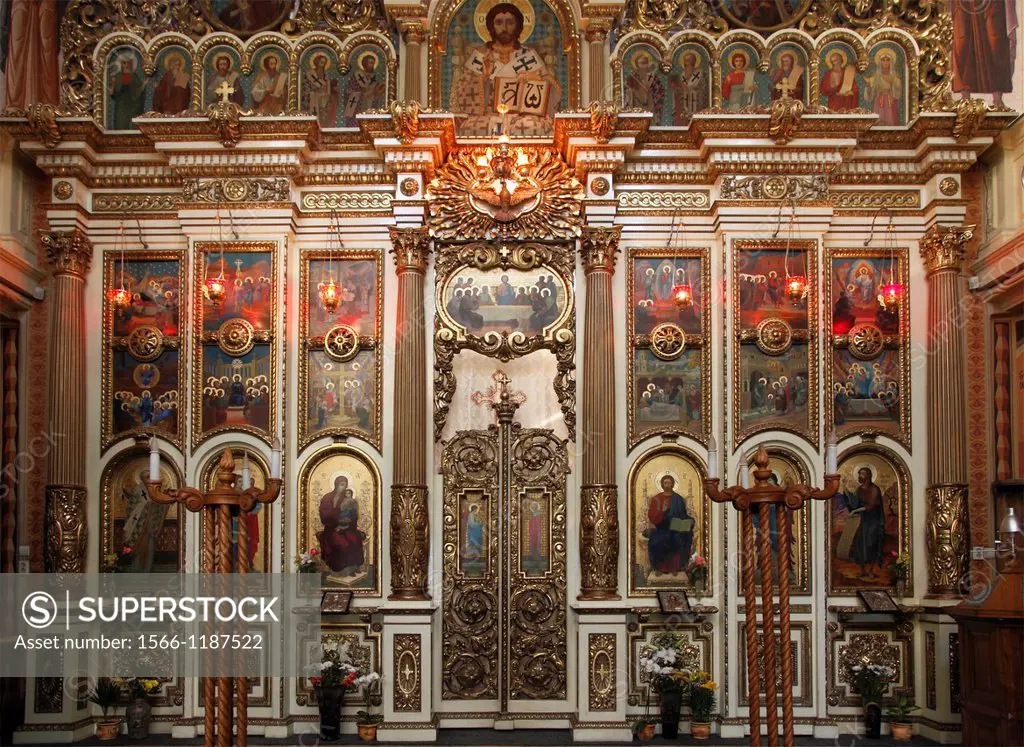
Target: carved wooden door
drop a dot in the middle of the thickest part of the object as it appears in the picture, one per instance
(504, 600)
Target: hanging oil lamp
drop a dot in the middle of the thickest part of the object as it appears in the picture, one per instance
(682, 292)
(328, 290)
(120, 298)
(215, 288)
(796, 285)
(891, 294)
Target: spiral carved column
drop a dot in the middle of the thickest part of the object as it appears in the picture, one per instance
(943, 251)
(69, 255)
(410, 530)
(599, 510)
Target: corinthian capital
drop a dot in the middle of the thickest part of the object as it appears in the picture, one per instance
(598, 247)
(411, 248)
(69, 253)
(942, 248)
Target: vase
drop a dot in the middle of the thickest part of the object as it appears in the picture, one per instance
(872, 719)
(137, 715)
(901, 588)
(368, 732)
(108, 728)
(700, 729)
(902, 732)
(329, 699)
(671, 703)
(645, 733)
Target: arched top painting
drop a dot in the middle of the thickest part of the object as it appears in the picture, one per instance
(126, 88)
(505, 52)
(245, 17)
(764, 15)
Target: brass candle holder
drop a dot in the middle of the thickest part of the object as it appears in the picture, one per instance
(766, 497)
(223, 696)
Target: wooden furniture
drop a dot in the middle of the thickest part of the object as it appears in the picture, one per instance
(992, 661)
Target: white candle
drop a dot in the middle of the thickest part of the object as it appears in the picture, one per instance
(745, 473)
(246, 472)
(831, 466)
(154, 459)
(275, 459)
(712, 457)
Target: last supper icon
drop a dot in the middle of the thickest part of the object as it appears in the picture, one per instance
(504, 301)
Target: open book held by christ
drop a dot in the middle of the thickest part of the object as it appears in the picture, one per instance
(522, 95)
(681, 525)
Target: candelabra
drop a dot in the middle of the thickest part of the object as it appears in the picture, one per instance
(765, 497)
(222, 554)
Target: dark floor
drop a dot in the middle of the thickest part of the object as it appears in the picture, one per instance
(489, 738)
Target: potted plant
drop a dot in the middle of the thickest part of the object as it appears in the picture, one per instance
(662, 661)
(106, 693)
(308, 562)
(870, 681)
(118, 562)
(367, 721)
(335, 674)
(702, 703)
(139, 712)
(902, 729)
(697, 570)
(643, 728)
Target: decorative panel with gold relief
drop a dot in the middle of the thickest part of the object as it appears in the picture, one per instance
(522, 54)
(236, 379)
(775, 348)
(505, 303)
(787, 469)
(138, 535)
(340, 367)
(669, 374)
(258, 522)
(800, 645)
(887, 644)
(339, 515)
(669, 521)
(364, 652)
(868, 375)
(869, 522)
(695, 644)
(142, 347)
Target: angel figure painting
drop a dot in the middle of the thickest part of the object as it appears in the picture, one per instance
(866, 524)
(141, 536)
(505, 53)
(339, 516)
(667, 508)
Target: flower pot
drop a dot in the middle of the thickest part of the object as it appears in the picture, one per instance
(108, 728)
(902, 732)
(700, 729)
(368, 732)
(137, 715)
(671, 703)
(872, 719)
(645, 733)
(329, 699)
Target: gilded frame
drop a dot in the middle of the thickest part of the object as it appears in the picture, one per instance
(703, 547)
(635, 342)
(905, 537)
(804, 579)
(802, 648)
(364, 634)
(748, 337)
(699, 634)
(437, 48)
(115, 464)
(200, 250)
(311, 463)
(308, 344)
(902, 435)
(111, 258)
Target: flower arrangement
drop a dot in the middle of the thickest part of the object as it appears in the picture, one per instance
(337, 670)
(900, 566)
(702, 696)
(697, 570)
(118, 562)
(661, 660)
(142, 687)
(870, 680)
(308, 562)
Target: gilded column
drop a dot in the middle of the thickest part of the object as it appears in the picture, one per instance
(69, 255)
(412, 35)
(410, 531)
(599, 512)
(943, 251)
(597, 33)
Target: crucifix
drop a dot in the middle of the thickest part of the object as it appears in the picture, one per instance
(224, 90)
(785, 87)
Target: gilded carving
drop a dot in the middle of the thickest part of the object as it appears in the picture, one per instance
(409, 187)
(875, 199)
(69, 252)
(889, 649)
(226, 117)
(668, 341)
(411, 249)
(604, 116)
(599, 540)
(785, 119)
(405, 119)
(600, 186)
(943, 247)
(346, 201)
(949, 186)
(694, 649)
(66, 529)
(470, 196)
(133, 203)
(42, 119)
(220, 191)
(970, 115)
(603, 672)
(341, 18)
(145, 343)
(63, 190)
(774, 336)
(341, 343)
(599, 247)
(946, 538)
(410, 541)
(407, 677)
(775, 187)
(695, 199)
(865, 341)
(236, 337)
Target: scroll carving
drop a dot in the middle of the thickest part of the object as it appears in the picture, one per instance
(67, 533)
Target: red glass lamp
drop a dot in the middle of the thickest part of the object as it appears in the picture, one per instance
(796, 287)
(891, 296)
(330, 295)
(682, 294)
